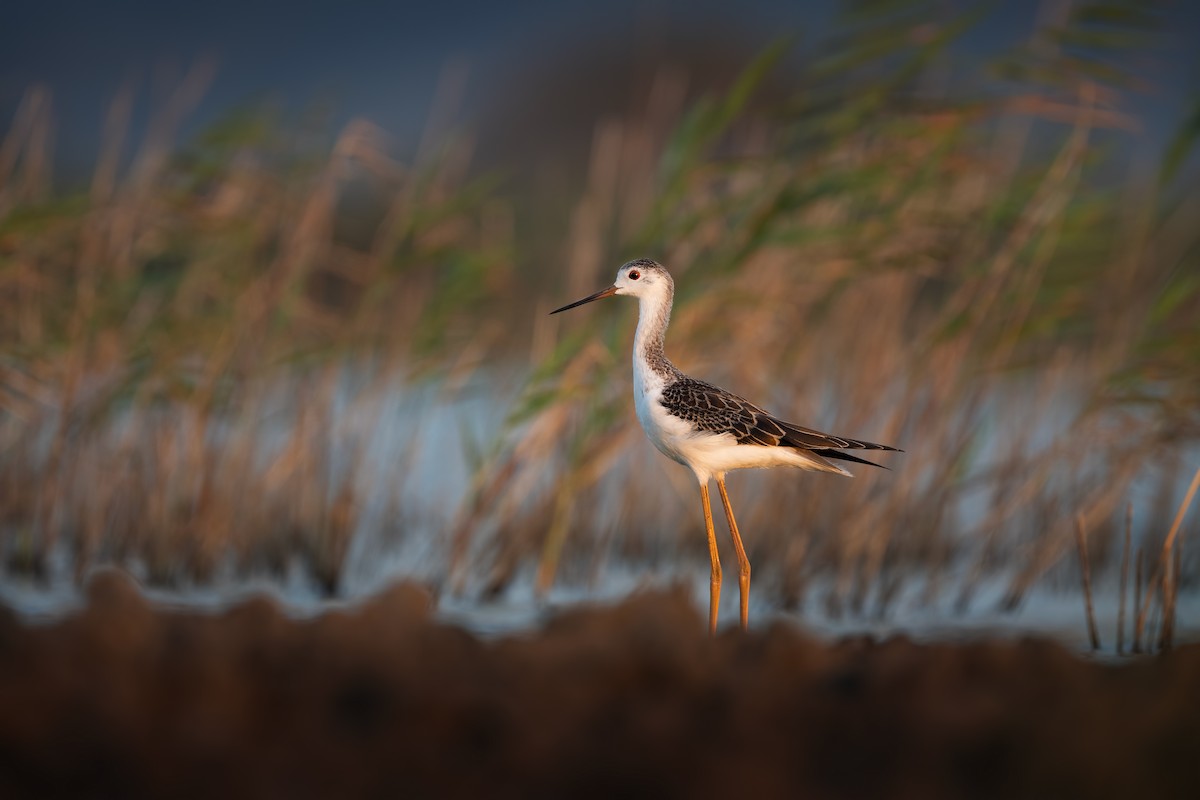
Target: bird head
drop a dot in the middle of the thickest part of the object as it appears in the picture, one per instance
(641, 277)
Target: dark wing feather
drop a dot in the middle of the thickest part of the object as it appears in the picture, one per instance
(715, 410)
(797, 437)
(840, 456)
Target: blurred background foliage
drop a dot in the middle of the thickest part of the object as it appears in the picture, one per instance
(888, 230)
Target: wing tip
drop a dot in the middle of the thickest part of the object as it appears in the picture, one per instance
(847, 457)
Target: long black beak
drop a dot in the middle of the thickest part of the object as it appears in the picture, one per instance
(600, 295)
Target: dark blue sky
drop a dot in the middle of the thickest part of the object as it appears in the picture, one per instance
(382, 60)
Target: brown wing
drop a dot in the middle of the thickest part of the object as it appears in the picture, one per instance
(713, 409)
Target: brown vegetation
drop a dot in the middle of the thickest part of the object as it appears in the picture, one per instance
(198, 347)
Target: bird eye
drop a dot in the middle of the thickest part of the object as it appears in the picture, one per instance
(634, 274)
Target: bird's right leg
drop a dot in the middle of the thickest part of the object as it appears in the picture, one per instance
(743, 561)
(714, 595)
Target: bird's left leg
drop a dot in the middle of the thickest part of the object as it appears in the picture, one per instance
(714, 591)
(743, 561)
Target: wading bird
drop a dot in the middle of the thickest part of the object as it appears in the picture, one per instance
(706, 428)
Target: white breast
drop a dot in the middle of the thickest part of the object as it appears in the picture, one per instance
(704, 452)
(668, 433)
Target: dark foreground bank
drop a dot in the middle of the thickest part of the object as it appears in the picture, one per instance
(126, 701)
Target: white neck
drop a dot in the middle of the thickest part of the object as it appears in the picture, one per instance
(654, 315)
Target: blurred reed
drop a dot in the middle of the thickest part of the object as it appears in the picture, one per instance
(880, 253)
(1085, 568)
(179, 338)
(890, 266)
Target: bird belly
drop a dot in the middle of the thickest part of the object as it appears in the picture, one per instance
(708, 453)
(667, 433)
(705, 452)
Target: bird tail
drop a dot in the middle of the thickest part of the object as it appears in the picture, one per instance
(812, 461)
(847, 457)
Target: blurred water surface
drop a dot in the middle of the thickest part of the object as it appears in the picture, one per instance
(407, 449)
